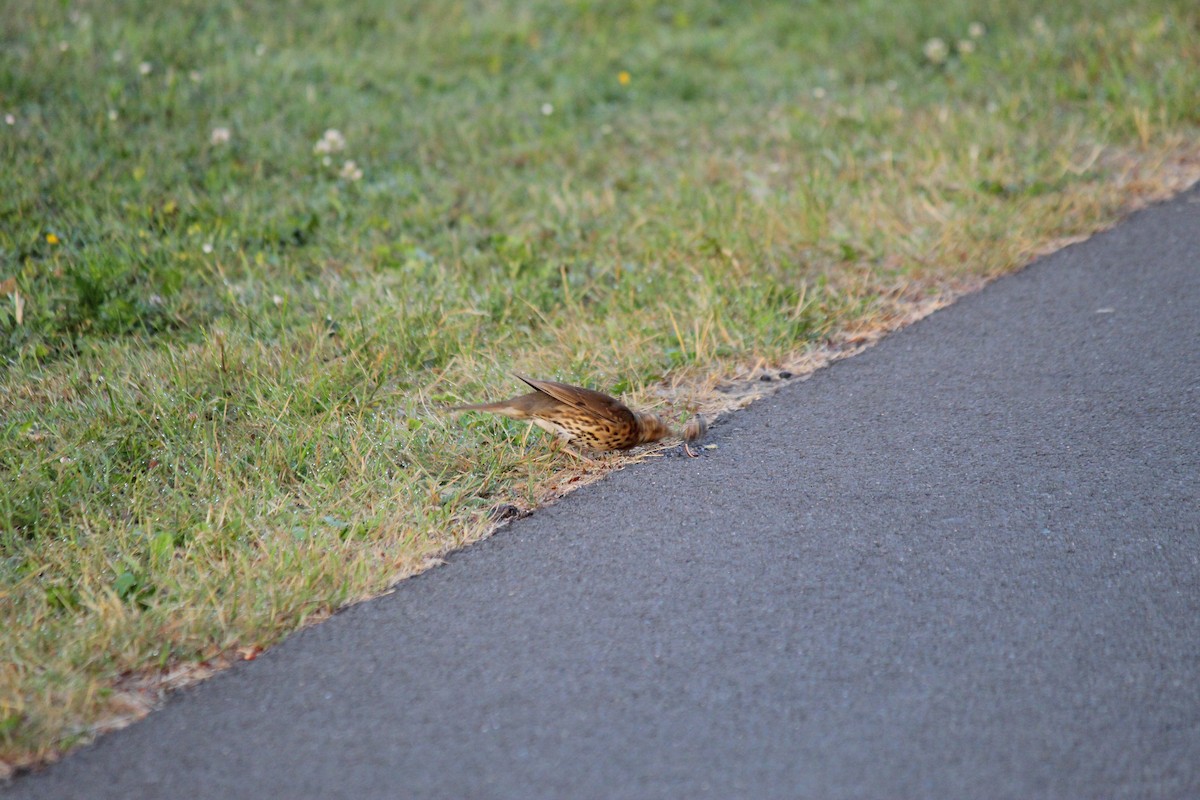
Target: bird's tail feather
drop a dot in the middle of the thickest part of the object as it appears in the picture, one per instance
(495, 408)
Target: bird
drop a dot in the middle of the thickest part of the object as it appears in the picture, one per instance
(583, 416)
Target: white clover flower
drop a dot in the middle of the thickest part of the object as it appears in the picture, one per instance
(219, 136)
(10, 119)
(965, 47)
(547, 109)
(331, 142)
(206, 247)
(112, 115)
(976, 30)
(1039, 25)
(819, 92)
(194, 76)
(936, 50)
(145, 68)
(351, 172)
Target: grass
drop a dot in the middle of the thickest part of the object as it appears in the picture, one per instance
(224, 330)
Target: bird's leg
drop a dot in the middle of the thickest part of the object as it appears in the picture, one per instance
(560, 443)
(589, 461)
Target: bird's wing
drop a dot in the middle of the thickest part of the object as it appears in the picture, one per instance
(584, 399)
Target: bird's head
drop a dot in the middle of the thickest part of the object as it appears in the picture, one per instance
(651, 428)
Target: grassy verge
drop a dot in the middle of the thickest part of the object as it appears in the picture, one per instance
(245, 248)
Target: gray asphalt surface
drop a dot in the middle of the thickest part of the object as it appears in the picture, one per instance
(963, 564)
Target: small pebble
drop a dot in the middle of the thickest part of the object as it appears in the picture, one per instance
(504, 511)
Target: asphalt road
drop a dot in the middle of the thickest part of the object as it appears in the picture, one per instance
(963, 564)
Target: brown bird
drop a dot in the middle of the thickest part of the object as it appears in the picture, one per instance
(583, 416)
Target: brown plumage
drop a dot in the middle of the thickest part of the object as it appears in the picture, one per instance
(580, 415)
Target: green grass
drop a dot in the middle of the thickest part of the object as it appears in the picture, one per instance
(221, 357)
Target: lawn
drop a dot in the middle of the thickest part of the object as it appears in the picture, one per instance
(248, 249)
